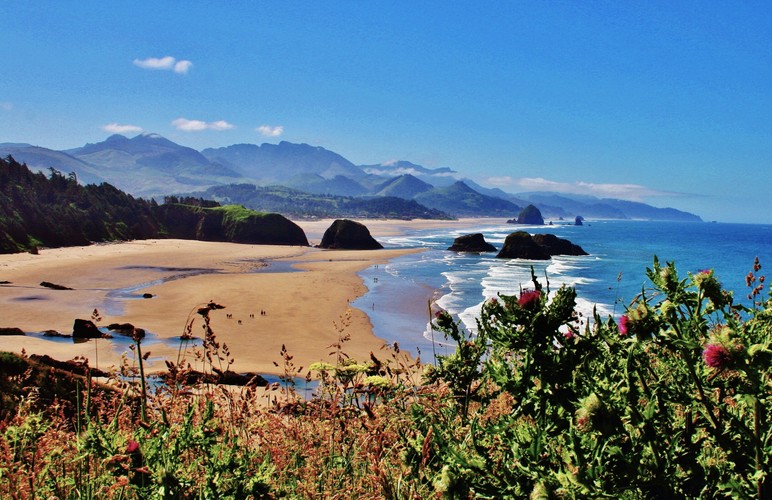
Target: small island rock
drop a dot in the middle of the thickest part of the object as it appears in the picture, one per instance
(346, 234)
(521, 245)
(471, 243)
(529, 215)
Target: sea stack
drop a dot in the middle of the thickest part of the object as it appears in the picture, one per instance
(346, 234)
(530, 215)
(471, 243)
(521, 245)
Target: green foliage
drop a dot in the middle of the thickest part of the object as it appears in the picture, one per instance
(55, 211)
(673, 402)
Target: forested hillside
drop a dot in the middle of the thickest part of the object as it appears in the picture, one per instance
(54, 211)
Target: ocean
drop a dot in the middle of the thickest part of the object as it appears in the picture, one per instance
(608, 279)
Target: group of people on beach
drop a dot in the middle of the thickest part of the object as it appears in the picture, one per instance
(263, 312)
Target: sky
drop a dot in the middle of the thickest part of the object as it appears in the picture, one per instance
(669, 103)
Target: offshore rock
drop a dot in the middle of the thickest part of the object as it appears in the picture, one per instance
(346, 234)
(521, 245)
(471, 243)
(557, 246)
(529, 215)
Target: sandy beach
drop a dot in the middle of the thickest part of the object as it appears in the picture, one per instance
(304, 292)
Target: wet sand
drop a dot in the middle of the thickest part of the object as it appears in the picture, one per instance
(305, 293)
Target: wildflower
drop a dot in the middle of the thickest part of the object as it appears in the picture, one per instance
(321, 366)
(444, 320)
(377, 381)
(570, 334)
(717, 356)
(624, 325)
(711, 288)
(132, 447)
(529, 299)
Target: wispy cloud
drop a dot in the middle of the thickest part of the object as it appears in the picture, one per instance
(632, 192)
(117, 128)
(198, 125)
(167, 63)
(6, 106)
(269, 131)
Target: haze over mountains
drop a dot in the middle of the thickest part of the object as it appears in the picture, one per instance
(150, 165)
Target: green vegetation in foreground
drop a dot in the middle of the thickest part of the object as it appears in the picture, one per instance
(671, 401)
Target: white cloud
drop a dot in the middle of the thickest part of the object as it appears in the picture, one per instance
(269, 131)
(182, 67)
(6, 106)
(116, 128)
(167, 63)
(632, 192)
(219, 125)
(198, 125)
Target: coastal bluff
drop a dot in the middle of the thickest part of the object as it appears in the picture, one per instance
(521, 245)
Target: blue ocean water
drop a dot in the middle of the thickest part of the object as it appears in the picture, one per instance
(608, 279)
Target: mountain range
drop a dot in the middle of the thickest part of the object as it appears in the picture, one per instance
(149, 165)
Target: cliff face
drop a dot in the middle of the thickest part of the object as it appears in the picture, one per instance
(229, 223)
(348, 235)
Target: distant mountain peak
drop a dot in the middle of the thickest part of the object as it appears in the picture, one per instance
(151, 135)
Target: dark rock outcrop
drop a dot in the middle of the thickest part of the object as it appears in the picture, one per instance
(11, 331)
(471, 243)
(529, 215)
(127, 330)
(54, 333)
(230, 223)
(521, 245)
(86, 329)
(54, 286)
(579, 221)
(557, 246)
(193, 377)
(347, 234)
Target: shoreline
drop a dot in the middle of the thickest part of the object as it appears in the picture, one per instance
(307, 293)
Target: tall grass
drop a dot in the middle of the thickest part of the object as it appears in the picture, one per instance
(671, 400)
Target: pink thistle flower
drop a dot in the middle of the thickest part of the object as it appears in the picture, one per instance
(570, 334)
(624, 324)
(716, 356)
(132, 446)
(529, 299)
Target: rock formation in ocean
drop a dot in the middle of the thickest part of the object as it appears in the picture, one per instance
(348, 235)
(579, 221)
(521, 245)
(557, 246)
(529, 215)
(471, 243)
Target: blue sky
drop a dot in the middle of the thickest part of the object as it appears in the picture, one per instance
(664, 102)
